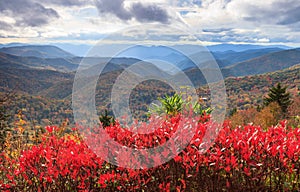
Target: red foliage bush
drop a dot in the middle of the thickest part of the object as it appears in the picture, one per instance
(243, 159)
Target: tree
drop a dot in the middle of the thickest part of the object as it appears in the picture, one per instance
(243, 117)
(279, 95)
(106, 119)
(4, 117)
(294, 111)
(268, 116)
(3, 126)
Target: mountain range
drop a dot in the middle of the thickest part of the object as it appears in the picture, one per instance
(41, 51)
(55, 58)
(44, 69)
(242, 47)
(265, 63)
(43, 77)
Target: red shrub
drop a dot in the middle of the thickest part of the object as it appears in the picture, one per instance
(242, 159)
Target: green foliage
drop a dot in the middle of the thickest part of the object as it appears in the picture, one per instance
(106, 119)
(232, 111)
(279, 95)
(46, 106)
(3, 126)
(4, 118)
(249, 91)
(199, 110)
(172, 105)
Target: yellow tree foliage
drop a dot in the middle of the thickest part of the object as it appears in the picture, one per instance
(243, 117)
(268, 116)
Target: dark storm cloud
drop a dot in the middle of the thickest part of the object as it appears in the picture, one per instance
(139, 11)
(146, 13)
(280, 12)
(27, 13)
(115, 7)
(291, 17)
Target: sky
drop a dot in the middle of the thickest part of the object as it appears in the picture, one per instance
(210, 21)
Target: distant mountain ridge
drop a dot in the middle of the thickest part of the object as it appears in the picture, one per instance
(56, 64)
(231, 63)
(225, 55)
(228, 58)
(42, 51)
(264, 64)
(267, 60)
(82, 49)
(61, 64)
(242, 47)
(44, 85)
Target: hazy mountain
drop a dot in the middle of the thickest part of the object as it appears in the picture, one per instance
(223, 59)
(223, 54)
(42, 51)
(79, 50)
(231, 57)
(266, 63)
(241, 47)
(166, 56)
(172, 59)
(42, 75)
(13, 45)
(35, 75)
(56, 64)
(63, 64)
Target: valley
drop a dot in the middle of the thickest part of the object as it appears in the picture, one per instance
(42, 86)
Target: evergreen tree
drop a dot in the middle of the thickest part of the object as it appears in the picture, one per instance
(232, 111)
(106, 119)
(279, 95)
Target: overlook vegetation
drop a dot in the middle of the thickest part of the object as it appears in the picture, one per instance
(257, 149)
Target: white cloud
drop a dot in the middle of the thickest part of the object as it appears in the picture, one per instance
(253, 21)
(256, 20)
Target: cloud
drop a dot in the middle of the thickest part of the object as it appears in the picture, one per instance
(273, 12)
(224, 35)
(250, 21)
(115, 7)
(291, 16)
(217, 30)
(28, 13)
(140, 12)
(261, 21)
(182, 3)
(5, 26)
(149, 13)
(67, 3)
